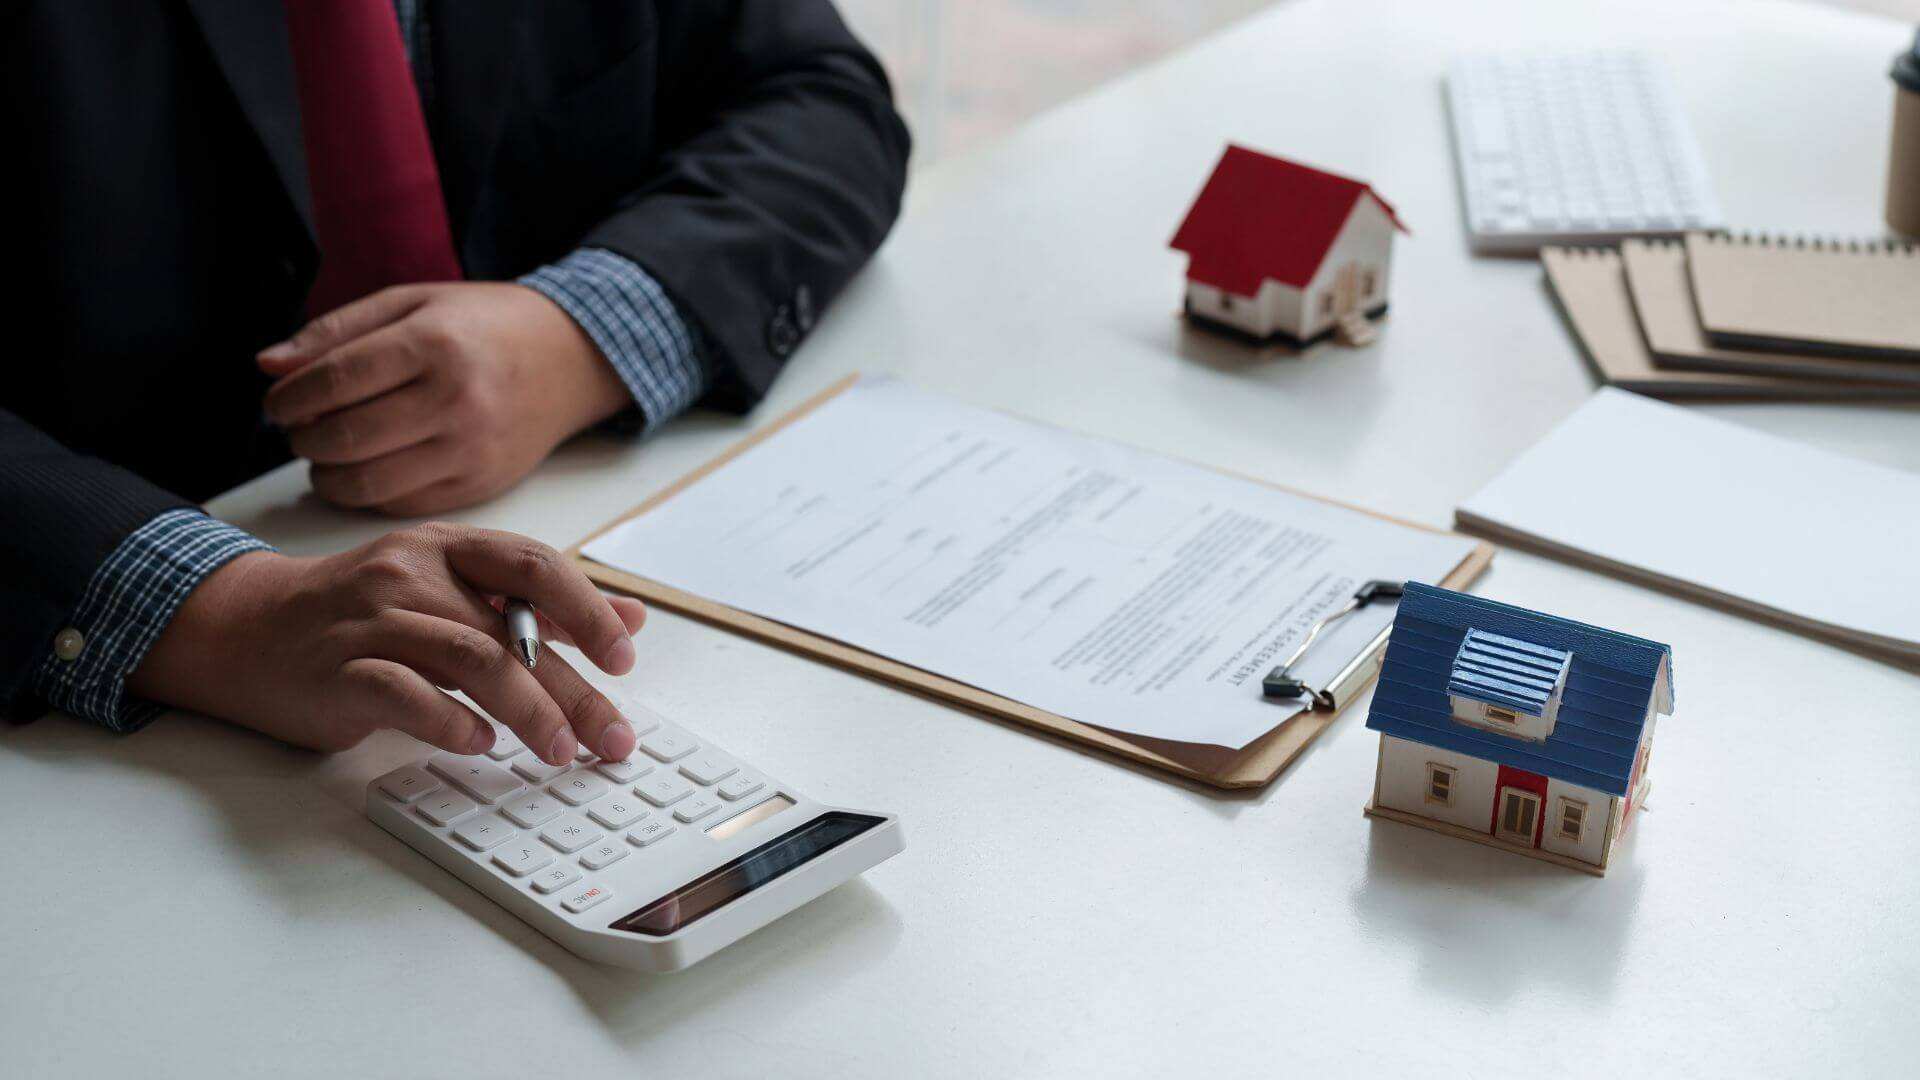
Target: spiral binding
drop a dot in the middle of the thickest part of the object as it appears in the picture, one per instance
(1834, 244)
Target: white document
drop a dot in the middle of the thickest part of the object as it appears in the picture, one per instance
(1088, 579)
(1825, 543)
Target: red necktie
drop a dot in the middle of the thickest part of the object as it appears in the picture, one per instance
(377, 207)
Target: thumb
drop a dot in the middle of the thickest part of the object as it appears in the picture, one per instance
(339, 326)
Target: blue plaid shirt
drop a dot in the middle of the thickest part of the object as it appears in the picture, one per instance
(130, 598)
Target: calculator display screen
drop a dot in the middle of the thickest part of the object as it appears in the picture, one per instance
(766, 863)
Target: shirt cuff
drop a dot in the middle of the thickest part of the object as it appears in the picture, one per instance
(127, 602)
(658, 354)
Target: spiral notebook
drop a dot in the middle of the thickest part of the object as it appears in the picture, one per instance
(1663, 300)
(1806, 295)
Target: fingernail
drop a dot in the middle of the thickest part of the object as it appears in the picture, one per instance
(564, 744)
(482, 740)
(282, 351)
(621, 657)
(617, 743)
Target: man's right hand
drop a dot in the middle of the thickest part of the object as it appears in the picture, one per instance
(321, 652)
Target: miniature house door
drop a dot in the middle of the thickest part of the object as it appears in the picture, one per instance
(1346, 289)
(1519, 814)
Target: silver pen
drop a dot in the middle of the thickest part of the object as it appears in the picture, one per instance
(523, 630)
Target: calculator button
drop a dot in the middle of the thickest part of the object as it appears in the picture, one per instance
(476, 776)
(581, 753)
(446, 807)
(647, 832)
(696, 808)
(532, 809)
(624, 772)
(537, 771)
(644, 720)
(586, 898)
(580, 788)
(663, 790)
(739, 787)
(505, 744)
(485, 832)
(521, 859)
(618, 813)
(708, 768)
(555, 879)
(408, 783)
(668, 745)
(603, 854)
(570, 833)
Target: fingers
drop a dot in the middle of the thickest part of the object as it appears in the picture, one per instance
(362, 368)
(595, 720)
(508, 565)
(387, 423)
(384, 479)
(478, 664)
(396, 697)
(342, 324)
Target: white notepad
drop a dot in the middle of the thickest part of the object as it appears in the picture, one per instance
(1820, 543)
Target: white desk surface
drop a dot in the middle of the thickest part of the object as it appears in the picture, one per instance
(197, 901)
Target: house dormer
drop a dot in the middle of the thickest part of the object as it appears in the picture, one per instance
(1507, 685)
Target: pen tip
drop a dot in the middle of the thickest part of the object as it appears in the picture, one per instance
(529, 654)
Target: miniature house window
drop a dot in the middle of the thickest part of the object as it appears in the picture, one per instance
(1439, 784)
(1369, 281)
(1573, 820)
(1326, 302)
(1519, 810)
(1226, 302)
(1507, 685)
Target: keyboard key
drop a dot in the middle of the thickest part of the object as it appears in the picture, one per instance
(505, 743)
(696, 808)
(484, 833)
(408, 783)
(586, 898)
(663, 789)
(603, 854)
(571, 833)
(537, 771)
(708, 768)
(476, 776)
(521, 859)
(741, 786)
(446, 808)
(580, 788)
(668, 745)
(624, 772)
(618, 812)
(648, 831)
(532, 809)
(554, 879)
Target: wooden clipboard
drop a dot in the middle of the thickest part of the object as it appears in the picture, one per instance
(1253, 765)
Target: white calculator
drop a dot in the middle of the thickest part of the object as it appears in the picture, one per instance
(652, 863)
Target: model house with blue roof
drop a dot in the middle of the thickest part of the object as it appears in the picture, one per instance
(1513, 728)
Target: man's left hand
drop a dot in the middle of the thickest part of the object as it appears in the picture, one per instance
(422, 398)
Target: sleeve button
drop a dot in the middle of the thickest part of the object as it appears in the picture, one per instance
(68, 643)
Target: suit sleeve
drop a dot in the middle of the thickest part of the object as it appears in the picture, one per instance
(94, 561)
(783, 170)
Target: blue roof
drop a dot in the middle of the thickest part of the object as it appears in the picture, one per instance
(1611, 679)
(1507, 671)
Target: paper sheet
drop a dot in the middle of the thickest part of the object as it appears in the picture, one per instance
(1089, 579)
(1812, 535)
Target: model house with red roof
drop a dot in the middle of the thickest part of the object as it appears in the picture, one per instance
(1280, 250)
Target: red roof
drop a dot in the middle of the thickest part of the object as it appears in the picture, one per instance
(1263, 217)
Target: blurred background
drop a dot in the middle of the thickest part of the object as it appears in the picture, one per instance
(966, 70)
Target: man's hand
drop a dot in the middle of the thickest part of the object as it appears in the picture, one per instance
(322, 652)
(422, 398)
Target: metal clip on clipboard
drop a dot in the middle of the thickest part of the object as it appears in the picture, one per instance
(1280, 682)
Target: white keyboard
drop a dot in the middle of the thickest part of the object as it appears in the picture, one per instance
(651, 863)
(1573, 148)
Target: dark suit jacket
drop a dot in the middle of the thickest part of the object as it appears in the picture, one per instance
(746, 152)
